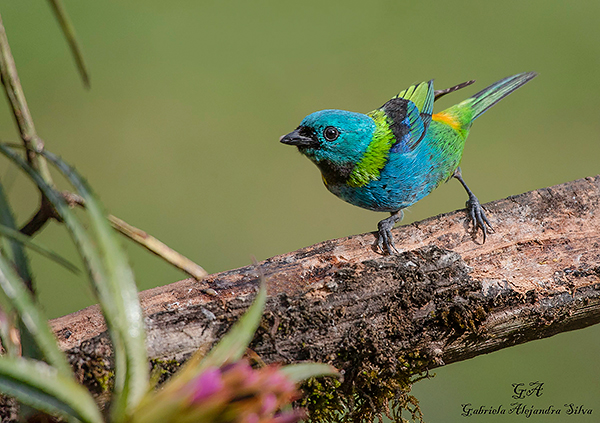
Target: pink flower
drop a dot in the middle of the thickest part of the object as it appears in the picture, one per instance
(207, 384)
(290, 417)
(237, 393)
(269, 403)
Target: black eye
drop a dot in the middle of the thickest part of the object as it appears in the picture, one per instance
(330, 133)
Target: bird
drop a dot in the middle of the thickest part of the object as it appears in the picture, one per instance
(388, 159)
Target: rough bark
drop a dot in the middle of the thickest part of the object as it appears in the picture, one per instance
(444, 299)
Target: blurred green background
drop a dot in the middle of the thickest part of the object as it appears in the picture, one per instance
(179, 136)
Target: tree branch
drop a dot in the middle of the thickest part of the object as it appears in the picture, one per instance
(14, 92)
(444, 299)
(146, 240)
(157, 247)
(34, 145)
(32, 142)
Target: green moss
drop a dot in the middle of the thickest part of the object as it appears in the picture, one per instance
(461, 318)
(163, 369)
(321, 398)
(99, 377)
(105, 380)
(368, 393)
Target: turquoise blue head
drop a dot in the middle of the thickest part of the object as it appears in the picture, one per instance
(335, 140)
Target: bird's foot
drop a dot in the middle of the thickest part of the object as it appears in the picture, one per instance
(477, 214)
(385, 242)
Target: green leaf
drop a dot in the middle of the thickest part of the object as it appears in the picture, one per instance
(113, 283)
(85, 245)
(231, 348)
(37, 247)
(44, 388)
(118, 297)
(303, 371)
(18, 257)
(31, 316)
(235, 342)
(18, 254)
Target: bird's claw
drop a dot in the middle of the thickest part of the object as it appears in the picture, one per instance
(480, 220)
(385, 243)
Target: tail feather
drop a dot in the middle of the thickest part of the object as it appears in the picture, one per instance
(489, 96)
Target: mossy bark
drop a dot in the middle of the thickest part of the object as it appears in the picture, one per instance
(384, 320)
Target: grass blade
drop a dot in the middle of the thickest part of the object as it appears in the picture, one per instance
(37, 247)
(303, 371)
(112, 281)
(33, 320)
(84, 244)
(44, 388)
(69, 31)
(17, 255)
(119, 290)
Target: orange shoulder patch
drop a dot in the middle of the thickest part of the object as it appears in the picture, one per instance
(448, 119)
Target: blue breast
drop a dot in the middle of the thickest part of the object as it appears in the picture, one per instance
(405, 179)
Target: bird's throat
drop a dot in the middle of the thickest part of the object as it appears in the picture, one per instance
(335, 173)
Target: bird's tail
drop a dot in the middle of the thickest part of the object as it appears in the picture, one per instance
(489, 96)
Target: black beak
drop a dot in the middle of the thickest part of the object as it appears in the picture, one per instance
(294, 138)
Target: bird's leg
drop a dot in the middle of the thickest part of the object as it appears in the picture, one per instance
(386, 241)
(475, 209)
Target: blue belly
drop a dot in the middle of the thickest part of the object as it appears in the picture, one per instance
(404, 180)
